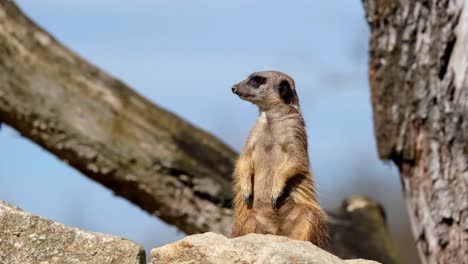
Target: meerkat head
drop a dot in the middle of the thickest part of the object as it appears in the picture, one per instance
(267, 90)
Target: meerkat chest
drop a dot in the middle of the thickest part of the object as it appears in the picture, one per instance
(267, 151)
(267, 144)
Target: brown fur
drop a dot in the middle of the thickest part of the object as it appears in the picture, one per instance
(274, 190)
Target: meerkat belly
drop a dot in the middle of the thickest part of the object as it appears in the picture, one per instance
(266, 158)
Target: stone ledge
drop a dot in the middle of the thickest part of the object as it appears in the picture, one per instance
(211, 248)
(28, 238)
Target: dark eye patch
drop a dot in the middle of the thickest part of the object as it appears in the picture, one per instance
(256, 81)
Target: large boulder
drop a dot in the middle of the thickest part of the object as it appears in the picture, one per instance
(27, 238)
(254, 248)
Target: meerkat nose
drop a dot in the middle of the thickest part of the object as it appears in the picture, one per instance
(234, 88)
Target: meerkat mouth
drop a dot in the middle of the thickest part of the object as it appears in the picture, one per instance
(243, 95)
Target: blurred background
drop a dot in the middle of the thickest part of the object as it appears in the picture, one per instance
(185, 56)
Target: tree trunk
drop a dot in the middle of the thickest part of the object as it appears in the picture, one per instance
(417, 70)
(151, 157)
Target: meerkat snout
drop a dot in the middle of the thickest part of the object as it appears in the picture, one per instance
(234, 88)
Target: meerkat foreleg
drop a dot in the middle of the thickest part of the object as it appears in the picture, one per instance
(293, 163)
(244, 173)
(289, 168)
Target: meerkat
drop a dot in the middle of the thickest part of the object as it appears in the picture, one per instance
(273, 186)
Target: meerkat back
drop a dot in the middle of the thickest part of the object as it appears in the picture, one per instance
(273, 187)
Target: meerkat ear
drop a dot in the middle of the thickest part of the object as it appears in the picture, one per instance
(287, 93)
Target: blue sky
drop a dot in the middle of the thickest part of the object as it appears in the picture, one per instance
(185, 56)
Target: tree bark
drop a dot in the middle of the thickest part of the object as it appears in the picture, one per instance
(143, 153)
(417, 72)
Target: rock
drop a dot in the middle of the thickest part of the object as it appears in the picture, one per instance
(27, 238)
(254, 248)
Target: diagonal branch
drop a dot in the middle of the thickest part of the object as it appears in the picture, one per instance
(108, 132)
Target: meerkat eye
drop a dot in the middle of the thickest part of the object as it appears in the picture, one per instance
(256, 81)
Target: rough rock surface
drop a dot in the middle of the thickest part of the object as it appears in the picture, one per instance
(213, 248)
(27, 238)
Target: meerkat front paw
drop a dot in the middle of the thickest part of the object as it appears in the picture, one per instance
(274, 202)
(247, 194)
(275, 195)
